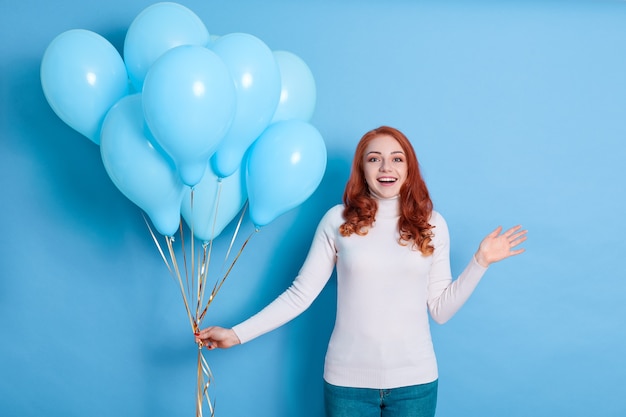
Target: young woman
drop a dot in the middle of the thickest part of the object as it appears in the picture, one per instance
(391, 251)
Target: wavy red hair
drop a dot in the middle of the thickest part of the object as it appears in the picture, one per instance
(415, 203)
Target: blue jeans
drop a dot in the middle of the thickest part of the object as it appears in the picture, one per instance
(411, 401)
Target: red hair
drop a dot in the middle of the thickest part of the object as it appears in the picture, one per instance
(415, 203)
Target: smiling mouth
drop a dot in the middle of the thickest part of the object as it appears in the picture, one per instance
(387, 180)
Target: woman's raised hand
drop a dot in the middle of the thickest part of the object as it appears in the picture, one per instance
(217, 337)
(496, 246)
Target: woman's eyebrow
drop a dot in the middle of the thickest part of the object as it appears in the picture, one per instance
(380, 153)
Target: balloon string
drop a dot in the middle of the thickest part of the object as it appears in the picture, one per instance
(235, 260)
(158, 245)
(209, 379)
(173, 268)
(204, 269)
(216, 206)
(203, 273)
(202, 266)
(182, 246)
(204, 375)
(169, 241)
(204, 380)
(199, 315)
(200, 384)
(193, 252)
(232, 241)
(219, 283)
(189, 292)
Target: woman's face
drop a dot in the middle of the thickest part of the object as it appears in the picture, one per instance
(384, 166)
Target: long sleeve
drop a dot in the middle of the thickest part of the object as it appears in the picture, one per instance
(312, 278)
(446, 297)
(385, 291)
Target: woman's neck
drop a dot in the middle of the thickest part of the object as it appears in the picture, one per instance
(387, 207)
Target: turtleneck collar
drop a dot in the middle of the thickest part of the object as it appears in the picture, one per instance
(387, 207)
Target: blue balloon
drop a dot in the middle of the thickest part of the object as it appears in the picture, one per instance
(189, 103)
(157, 29)
(212, 39)
(215, 203)
(82, 76)
(298, 93)
(141, 173)
(284, 167)
(257, 81)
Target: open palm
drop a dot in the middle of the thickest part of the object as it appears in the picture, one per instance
(497, 246)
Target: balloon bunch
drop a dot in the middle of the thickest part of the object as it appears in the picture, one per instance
(191, 126)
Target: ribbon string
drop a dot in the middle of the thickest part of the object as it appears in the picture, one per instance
(192, 283)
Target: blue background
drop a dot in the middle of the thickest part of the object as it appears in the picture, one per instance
(517, 111)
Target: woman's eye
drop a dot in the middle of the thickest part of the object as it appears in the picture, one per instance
(397, 159)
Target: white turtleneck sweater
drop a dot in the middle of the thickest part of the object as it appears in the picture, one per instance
(385, 290)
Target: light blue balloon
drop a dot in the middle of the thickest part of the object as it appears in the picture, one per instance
(157, 29)
(298, 93)
(82, 76)
(212, 39)
(215, 203)
(141, 173)
(189, 103)
(284, 167)
(257, 81)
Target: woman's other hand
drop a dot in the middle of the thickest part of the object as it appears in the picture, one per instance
(496, 246)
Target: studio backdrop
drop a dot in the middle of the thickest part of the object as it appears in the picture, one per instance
(516, 111)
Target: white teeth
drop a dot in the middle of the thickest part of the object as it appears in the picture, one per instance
(387, 179)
